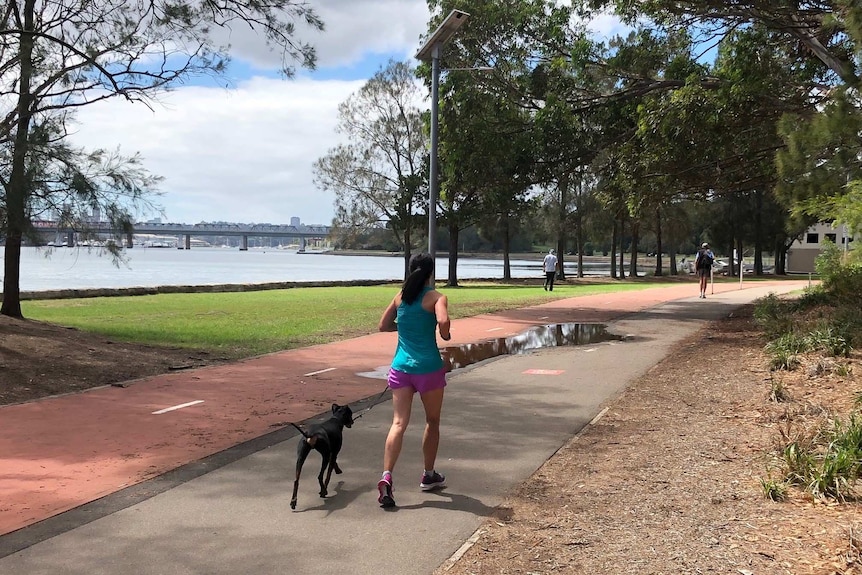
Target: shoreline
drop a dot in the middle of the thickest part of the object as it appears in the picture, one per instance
(441, 255)
(234, 288)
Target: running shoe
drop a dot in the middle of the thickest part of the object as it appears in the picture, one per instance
(432, 481)
(384, 488)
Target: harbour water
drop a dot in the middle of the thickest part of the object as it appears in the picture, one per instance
(80, 268)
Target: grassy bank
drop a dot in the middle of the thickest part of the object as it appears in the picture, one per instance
(244, 324)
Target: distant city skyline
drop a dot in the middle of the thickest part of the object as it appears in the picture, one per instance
(293, 221)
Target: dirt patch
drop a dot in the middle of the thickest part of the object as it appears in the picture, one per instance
(40, 359)
(668, 480)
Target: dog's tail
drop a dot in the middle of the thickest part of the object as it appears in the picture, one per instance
(302, 431)
(309, 439)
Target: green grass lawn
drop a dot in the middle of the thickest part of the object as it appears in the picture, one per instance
(244, 324)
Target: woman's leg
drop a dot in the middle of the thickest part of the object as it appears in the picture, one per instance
(402, 402)
(433, 403)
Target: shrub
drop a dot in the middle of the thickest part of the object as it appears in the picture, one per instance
(812, 297)
(842, 369)
(827, 464)
(828, 339)
(848, 320)
(842, 279)
(784, 351)
(778, 393)
(773, 315)
(774, 490)
(839, 465)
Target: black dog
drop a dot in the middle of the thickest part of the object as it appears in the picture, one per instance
(326, 439)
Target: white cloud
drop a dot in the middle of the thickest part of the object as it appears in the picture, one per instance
(241, 155)
(606, 26)
(245, 154)
(378, 27)
(354, 29)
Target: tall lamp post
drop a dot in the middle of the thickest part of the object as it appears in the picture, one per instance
(431, 52)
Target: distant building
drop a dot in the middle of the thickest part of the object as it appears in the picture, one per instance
(803, 252)
(295, 222)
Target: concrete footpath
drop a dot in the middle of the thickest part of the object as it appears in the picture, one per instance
(502, 419)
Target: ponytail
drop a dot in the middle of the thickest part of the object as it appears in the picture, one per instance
(421, 268)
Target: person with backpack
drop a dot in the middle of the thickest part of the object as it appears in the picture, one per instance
(703, 266)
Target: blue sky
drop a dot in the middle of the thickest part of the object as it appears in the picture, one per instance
(245, 152)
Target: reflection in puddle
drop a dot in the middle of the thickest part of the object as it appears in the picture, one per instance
(535, 338)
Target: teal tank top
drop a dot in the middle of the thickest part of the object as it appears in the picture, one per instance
(417, 350)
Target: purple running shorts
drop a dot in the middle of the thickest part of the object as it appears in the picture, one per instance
(420, 382)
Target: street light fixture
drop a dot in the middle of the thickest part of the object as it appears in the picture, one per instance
(430, 51)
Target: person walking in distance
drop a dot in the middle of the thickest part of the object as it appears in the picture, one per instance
(416, 313)
(549, 264)
(703, 265)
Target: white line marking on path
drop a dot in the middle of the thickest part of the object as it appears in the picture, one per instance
(321, 371)
(182, 405)
(495, 329)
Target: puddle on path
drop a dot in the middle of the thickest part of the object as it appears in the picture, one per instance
(554, 335)
(543, 336)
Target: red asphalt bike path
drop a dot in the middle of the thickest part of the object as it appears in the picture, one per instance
(61, 452)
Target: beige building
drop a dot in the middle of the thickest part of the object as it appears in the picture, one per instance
(803, 252)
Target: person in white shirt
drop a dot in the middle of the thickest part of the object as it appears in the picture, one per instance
(549, 264)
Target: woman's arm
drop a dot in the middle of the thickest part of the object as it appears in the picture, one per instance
(387, 320)
(441, 310)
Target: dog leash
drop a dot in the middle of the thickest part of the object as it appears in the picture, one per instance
(355, 417)
(373, 403)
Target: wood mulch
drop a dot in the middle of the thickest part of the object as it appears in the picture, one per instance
(668, 481)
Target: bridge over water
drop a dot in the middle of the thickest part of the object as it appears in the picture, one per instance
(184, 232)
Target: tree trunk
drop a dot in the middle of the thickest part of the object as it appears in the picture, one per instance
(622, 248)
(672, 257)
(633, 262)
(658, 247)
(507, 241)
(561, 225)
(614, 251)
(561, 260)
(453, 256)
(408, 249)
(16, 204)
(781, 257)
(579, 240)
(758, 242)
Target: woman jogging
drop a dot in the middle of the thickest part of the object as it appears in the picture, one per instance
(416, 312)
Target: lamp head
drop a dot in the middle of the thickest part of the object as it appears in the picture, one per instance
(442, 34)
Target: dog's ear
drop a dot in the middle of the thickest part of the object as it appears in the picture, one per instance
(335, 407)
